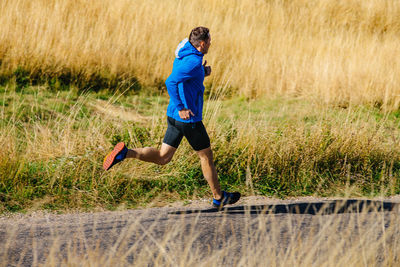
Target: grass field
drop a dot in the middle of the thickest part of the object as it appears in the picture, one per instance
(331, 51)
(53, 144)
(303, 99)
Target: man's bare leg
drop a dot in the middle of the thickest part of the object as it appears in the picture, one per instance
(165, 154)
(150, 154)
(209, 171)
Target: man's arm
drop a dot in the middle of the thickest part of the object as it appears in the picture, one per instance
(179, 75)
(173, 91)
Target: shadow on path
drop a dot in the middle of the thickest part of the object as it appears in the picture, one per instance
(313, 208)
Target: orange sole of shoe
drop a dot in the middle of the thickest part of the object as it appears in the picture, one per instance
(109, 159)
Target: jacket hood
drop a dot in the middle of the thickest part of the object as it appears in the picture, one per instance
(185, 48)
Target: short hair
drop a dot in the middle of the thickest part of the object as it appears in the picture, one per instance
(199, 34)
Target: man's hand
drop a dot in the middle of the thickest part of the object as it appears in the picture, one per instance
(185, 114)
(207, 69)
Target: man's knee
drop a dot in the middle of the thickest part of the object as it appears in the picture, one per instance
(166, 154)
(205, 154)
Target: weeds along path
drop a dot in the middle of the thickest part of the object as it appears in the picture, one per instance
(267, 232)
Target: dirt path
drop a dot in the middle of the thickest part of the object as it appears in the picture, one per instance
(181, 234)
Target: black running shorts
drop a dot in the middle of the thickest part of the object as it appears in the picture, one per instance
(195, 133)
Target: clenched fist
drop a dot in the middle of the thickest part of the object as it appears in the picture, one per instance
(207, 69)
(185, 114)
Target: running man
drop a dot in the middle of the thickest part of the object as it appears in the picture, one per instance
(184, 116)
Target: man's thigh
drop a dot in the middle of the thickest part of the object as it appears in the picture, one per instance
(197, 136)
(173, 135)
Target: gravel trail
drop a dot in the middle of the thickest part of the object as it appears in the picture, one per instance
(180, 235)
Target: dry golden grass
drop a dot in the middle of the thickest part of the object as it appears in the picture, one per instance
(330, 50)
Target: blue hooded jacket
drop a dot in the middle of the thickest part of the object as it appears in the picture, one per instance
(185, 84)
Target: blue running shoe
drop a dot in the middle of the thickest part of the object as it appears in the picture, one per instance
(227, 198)
(117, 155)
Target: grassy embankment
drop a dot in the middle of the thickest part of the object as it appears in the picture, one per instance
(53, 145)
(324, 73)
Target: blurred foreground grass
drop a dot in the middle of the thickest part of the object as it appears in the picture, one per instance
(53, 144)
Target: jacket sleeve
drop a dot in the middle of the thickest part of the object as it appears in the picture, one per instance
(178, 75)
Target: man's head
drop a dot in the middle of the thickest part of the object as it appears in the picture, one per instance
(200, 38)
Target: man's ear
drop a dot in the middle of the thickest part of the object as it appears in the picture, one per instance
(202, 44)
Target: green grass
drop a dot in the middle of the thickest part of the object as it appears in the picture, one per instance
(53, 144)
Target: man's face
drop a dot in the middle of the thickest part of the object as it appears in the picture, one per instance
(205, 46)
